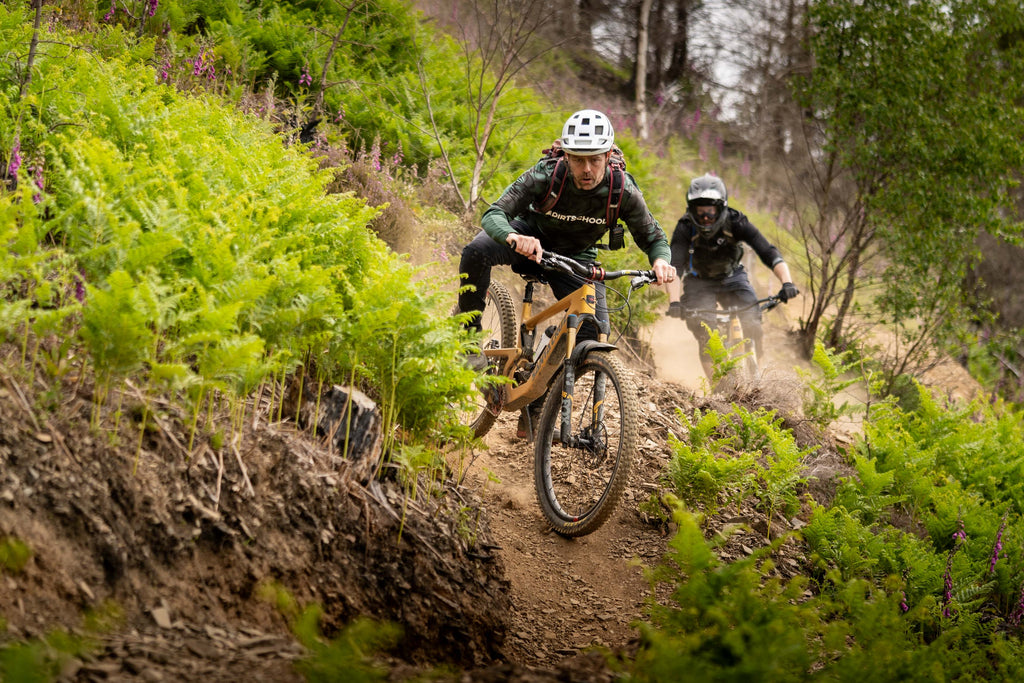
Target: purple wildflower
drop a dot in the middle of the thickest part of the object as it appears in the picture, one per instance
(79, 289)
(305, 78)
(904, 607)
(959, 538)
(109, 16)
(151, 7)
(1017, 615)
(12, 168)
(998, 547)
(960, 534)
(197, 64)
(37, 172)
(375, 154)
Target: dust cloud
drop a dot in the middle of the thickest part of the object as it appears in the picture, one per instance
(675, 353)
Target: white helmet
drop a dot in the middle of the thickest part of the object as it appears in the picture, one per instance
(587, 132)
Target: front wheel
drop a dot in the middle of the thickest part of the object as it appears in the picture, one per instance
(579, 476)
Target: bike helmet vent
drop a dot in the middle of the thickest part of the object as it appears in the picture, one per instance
(587, 132)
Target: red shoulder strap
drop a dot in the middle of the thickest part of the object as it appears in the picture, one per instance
(554, 187)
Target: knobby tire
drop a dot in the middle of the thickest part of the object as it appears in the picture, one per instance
(498, 321)
(578, 488)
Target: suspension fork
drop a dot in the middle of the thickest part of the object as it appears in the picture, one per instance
(568, 383)
(586, 438)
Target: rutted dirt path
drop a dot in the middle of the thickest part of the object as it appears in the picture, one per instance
(572, 595)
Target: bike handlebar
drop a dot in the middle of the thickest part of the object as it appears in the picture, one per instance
(766, 304)
(553, 261)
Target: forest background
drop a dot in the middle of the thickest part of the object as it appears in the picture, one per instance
(201, 198)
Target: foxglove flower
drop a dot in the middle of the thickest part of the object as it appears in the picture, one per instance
(15, 164)
(998, 547)
(959, 538)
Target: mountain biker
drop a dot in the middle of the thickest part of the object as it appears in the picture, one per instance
(707, 246)
(515, 233)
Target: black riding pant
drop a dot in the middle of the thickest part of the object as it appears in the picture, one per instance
(483, 253)
(733, 291)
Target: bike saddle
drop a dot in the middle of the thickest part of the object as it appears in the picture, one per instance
(530, 271)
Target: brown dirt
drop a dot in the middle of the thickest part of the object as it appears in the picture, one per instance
(184, 542)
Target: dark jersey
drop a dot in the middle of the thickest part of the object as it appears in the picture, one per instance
(574, 225)
(719, 256)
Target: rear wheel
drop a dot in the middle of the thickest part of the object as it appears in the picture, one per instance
(498, 323)
(579, 477)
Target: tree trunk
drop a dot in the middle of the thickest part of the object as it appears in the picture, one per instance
(640, 95)
(679, 44)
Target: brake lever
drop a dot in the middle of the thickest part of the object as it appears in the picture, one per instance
(641, 280)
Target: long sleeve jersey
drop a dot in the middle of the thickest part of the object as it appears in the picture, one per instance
(575, 225)
(718, 257)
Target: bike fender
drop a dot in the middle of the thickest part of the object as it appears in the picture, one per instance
(588, 345)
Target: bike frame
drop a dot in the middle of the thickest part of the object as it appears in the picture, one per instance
(728, 322)
(577, 307)
(537, 373)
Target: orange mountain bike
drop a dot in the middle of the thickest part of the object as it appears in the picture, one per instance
(587, 431)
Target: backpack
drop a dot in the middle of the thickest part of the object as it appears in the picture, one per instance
(725, 232)
(617, 163)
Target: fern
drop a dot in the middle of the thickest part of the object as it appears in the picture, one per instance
(835, 375)
(701, 472)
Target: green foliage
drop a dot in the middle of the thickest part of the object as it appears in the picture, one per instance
(209, 255)
(820, 391)
(346, 657)
(923, 478)
(891, 80)
(728, 458)
(723, 361)
(782, 473)
(14, 554)
(43, 659)
(377, 99)
(738, 621)
(698, 474)
(726, 623)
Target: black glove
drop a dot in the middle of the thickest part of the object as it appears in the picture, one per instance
(788, 291)
(675, 310)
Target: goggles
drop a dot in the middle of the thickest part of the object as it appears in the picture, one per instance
(705, 214)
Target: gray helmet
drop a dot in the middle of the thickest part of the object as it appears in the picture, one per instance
(587, 132)
(708, 190)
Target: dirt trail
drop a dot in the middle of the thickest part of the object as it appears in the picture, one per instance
(567, 594)
(571, 595)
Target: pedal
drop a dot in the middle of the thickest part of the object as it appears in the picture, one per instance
(495, 398)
